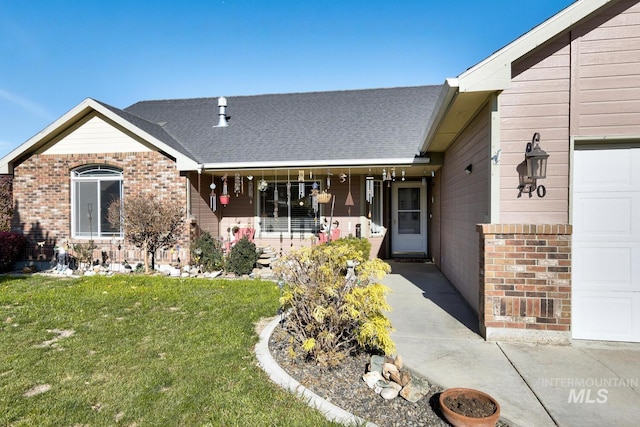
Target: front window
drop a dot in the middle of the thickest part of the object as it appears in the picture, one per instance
(94, 188)
(288, 208)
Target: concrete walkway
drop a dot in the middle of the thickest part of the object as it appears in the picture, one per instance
(586, 383)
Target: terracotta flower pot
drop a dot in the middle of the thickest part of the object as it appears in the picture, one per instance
(224, 199)
(459, 420)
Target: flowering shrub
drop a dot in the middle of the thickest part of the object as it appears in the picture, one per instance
(335, 303)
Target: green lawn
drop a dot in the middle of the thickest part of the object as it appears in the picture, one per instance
(138, 351)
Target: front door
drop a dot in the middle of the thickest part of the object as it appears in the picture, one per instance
(409, 219)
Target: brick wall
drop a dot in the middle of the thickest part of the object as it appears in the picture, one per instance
(42, 195)
(525, 281)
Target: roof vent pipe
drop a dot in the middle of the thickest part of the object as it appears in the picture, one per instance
(222, 112)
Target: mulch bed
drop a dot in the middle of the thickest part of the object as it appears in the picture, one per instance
(343, 386)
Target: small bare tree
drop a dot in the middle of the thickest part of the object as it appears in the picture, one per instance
(148, 223)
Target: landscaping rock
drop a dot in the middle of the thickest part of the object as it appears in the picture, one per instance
(415, 390)
(371, 379)
(389, 393)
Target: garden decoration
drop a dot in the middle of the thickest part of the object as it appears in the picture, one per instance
(262, 185)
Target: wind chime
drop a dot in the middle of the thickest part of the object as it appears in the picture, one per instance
(275, 199)
(349, 201)
(212, 196)
(237, 184)
(369, 192)
(301, 185)
(250, 188)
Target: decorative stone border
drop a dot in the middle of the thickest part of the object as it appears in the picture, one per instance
(280, 377)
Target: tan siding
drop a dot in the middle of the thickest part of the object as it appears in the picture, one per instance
(606, 83)
(463, 202)
(538, 101)
(94, 136)
(205, 219)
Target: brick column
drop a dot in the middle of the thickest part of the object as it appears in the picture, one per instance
(525, 282)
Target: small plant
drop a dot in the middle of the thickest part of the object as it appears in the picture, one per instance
(242, 258)
(84, 253)
(335, 303)
(207, 252)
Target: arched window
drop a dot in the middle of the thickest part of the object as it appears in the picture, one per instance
(93, 189)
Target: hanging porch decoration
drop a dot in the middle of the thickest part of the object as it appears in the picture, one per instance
(237, 184)
(276, 199)
(369, 192)
(212, 196)
(224, 197)
(349, 202)
(300, 184)
(324, 197)
(314, 196)
(250, 188)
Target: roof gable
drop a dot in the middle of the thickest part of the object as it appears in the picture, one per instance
(494, 72)
(147, 132)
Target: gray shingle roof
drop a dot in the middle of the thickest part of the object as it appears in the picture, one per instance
(354, 124)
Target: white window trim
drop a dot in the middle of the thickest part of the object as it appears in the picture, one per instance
(78, 175)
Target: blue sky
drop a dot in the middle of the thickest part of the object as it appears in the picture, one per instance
(54, 54)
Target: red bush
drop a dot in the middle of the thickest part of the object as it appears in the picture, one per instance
(11, 247)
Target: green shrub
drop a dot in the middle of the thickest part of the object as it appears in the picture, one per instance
(11, 247)
(207, 252)
(333, 310)
(363, 246)
(242, 258)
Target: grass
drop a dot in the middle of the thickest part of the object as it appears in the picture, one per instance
(138, 351)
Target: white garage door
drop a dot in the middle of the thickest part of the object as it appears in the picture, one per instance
(606, 244)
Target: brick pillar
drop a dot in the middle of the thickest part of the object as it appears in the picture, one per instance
(525, 282)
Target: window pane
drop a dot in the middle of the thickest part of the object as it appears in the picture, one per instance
(409, 198)
(408, 222)
(86, 209)
(291, 213)
(110, 192)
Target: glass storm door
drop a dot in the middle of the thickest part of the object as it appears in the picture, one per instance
(409, 224)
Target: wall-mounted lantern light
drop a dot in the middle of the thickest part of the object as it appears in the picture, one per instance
(536, 159)
(469, 168)
(534, 168)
